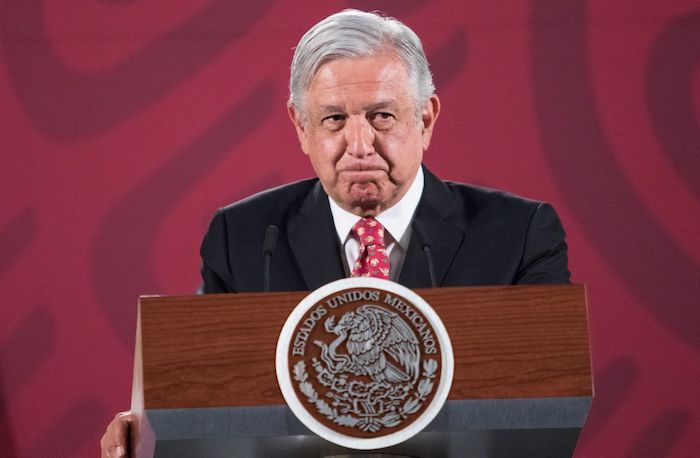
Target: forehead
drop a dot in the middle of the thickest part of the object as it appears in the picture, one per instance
(375, 79)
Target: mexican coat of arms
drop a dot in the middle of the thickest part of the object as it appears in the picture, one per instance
(364, 364)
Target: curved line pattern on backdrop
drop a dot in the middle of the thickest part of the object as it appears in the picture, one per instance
(632, 243)
(449, 59)
(74, 429)
(71, 107)
(30, 342)
(16, 236)
(661, 435)
(674, 57)
(621, 376)
(23, 353)
(121, 254)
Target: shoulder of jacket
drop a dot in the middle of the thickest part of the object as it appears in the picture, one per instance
(491, 196)
(279, 196)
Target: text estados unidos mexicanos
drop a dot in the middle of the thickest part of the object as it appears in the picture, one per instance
(308, 325)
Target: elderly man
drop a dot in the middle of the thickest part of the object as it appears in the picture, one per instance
(364, 107)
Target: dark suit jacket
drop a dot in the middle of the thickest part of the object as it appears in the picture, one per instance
(477, 236)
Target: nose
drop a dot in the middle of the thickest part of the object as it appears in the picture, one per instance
(359, 136)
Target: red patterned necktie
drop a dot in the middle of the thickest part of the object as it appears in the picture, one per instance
(372, 260)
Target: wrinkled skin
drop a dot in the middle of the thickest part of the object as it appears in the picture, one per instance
(364, 132)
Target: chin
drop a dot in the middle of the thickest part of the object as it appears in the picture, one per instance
(366, 197)
(368, 206)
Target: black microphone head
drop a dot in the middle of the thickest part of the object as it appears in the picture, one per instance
(270, 239)
(420, 234)
(422, 240)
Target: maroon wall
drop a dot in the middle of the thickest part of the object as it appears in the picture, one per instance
(125, 124)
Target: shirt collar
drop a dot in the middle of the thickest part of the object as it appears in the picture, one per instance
(395, 219)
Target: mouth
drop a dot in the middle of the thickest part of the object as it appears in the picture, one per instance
(362, 167)
(360, 176)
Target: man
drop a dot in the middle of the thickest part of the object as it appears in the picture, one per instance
(364, 107)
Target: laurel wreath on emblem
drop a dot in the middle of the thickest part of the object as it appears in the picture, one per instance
(367, 422)
(381, 347)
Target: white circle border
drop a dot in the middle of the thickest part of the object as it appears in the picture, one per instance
(359, 443)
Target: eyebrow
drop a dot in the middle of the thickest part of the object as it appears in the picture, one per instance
(381, 105)
(375, 106)
(330, 109)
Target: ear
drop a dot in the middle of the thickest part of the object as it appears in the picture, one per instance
(298, 121)
(429, 115)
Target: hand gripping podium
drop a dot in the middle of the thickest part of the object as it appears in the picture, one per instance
(205, 384)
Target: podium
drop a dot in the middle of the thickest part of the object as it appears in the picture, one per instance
(205, 384)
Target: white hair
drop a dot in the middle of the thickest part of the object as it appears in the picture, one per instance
(354, 34)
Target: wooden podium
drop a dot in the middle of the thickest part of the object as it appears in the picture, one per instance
(205, 384)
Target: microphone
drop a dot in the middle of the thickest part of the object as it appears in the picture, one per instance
(422, 240)
(268, 247)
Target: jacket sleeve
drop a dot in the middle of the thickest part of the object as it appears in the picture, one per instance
(544, 258)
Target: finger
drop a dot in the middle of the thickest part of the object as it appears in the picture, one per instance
(115, 439)
(113, 443)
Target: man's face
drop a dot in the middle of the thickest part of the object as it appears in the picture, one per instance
(361, 131)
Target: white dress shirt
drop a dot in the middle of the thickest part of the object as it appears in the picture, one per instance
(397, 228)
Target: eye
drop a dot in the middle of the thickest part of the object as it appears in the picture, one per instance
(333, 122)
(382, 120)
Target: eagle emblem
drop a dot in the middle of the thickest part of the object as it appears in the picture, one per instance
(364, 363)
(378, 344)
(372, 370)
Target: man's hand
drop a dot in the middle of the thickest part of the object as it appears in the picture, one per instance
(115, 441)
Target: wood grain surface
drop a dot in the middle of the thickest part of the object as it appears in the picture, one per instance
(508, 341)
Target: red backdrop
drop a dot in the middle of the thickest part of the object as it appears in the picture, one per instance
(125, 124)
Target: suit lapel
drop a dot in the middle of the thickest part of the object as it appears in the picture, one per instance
(444, 238)
(314, 242)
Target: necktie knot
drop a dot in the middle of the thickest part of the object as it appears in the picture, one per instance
(373, 260)
(369, 232)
